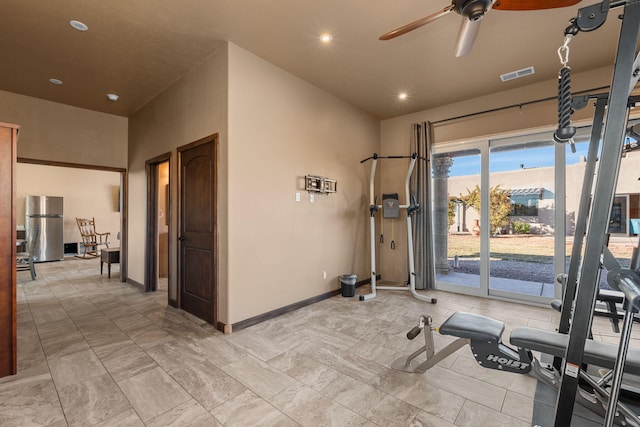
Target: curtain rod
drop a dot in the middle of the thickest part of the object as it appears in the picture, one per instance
(507, 107)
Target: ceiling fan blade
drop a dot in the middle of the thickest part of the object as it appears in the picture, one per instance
(532, 4)
(467, 36)
(416, 24)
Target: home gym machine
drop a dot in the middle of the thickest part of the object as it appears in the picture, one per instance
(394, 207)
(484, 335)
(571, 346)
(582, 285)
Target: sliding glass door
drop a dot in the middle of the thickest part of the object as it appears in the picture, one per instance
(522, 228)
(457, 174)
(504, 235)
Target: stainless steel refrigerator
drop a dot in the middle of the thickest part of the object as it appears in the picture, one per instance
(46, 212)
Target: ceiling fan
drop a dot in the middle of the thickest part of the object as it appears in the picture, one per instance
(472, 12)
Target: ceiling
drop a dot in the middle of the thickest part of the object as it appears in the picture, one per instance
(137, 49)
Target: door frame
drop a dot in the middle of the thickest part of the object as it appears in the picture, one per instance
(124, 202)
(484, 145)
(482, 148)
(215, 140)
(559, 221)
(151, 241)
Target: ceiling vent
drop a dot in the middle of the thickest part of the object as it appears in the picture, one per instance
(517, 74)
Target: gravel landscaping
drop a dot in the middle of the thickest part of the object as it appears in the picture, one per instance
(520, 270)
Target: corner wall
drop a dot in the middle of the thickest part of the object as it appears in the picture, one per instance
(193, 108)
(282, 128)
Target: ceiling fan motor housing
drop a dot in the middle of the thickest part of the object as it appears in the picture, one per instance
(472, 9)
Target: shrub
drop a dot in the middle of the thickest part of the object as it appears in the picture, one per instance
(451, 210)
(520, 227)
(499, 207)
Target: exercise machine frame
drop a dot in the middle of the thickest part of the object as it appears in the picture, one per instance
(582, 288)
(571, 346)
(411, 207)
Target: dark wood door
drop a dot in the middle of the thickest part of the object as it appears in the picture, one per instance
(197, 263)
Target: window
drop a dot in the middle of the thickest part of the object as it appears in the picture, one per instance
(524, 202)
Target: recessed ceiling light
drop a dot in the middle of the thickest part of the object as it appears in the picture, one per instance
(112, 97)
(403, 95)
(80, 26)
(55, 81)
(326, 38)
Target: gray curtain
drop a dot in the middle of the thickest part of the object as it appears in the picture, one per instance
(421, 140)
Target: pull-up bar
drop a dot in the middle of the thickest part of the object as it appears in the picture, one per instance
(411, 208)
(375, 156)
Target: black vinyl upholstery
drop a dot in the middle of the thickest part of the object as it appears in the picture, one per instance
(472, 326)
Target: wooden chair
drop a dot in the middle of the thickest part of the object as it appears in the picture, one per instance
(90, 238)
(26, 260)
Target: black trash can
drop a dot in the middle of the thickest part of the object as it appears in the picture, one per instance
(348, 284)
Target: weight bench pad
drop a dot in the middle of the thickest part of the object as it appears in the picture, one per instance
(555, 344)
(607, 295)
(472, 326)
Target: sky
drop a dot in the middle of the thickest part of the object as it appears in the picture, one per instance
(511, 160)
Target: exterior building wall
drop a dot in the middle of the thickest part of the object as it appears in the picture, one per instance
(628, 185)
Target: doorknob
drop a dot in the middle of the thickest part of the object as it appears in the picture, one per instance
(181, 238)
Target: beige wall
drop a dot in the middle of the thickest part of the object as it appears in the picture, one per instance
(62, 133)
(274, 128)
(194, 107)
(397, 131)
(273, 250)
(396, 134)
(281, 129)
(87, 194)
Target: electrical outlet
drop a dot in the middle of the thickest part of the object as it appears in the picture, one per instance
(297, 196)
(324, 274)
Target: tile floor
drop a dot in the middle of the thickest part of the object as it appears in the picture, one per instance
(94, 351)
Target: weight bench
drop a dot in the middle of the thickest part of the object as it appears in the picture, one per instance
(482, 333)
(484, 336)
